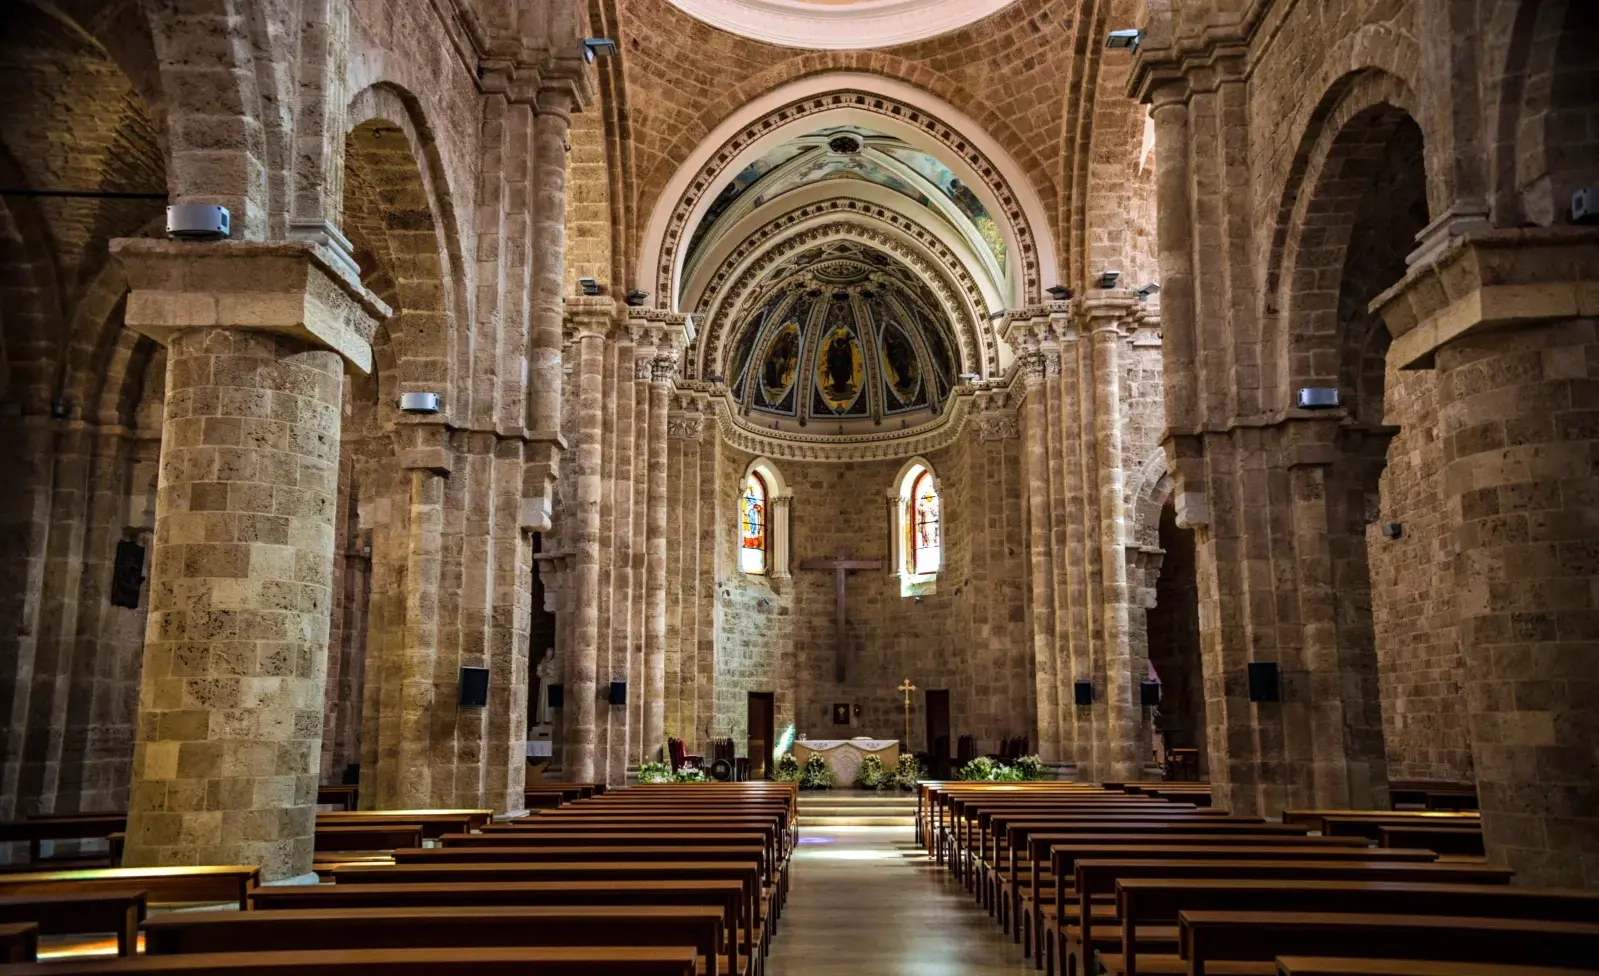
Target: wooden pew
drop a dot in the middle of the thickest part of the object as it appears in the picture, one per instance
(79, 826)
(708, 825)
(344, 795)
(19, 942)
(1432, 794)
(81, 913)
(433, 822)
(1147, 909)
(1454, 841)
(1339, 966)
(1370, 825)
(367, 837)
(727, 896)
(1315, 819)
(438, 926)
(208, 883)
(1220, 940)
(541, 961)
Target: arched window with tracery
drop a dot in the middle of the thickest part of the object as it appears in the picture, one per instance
(754, 520)
(916, 511)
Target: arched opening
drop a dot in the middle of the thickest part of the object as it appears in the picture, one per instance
(80, 405)
(1547, 141)
(754, 519)
(1174, 654)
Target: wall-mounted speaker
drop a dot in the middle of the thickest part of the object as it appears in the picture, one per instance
(1264, 685)
(1149, 693)
(557, 696)
(1084, 690)
(474, 687)
(618, 693)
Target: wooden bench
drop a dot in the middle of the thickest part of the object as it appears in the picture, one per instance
(541, 961)
(1336, 966)
(367, 837)
(1453, 841)
(81, 913)
(342, 795)
(727, 896)
(209, 883)
(85, 826)
(439, 926)
(1147, 909)
(19, 942)
(433, 822)
(1218, 941)
(1098, 877)
(1432, 794)
(1315, 819)
(1370, 826)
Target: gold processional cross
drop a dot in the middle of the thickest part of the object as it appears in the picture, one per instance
(907, 688)
(842, 564)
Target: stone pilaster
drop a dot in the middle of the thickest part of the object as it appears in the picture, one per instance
(230, 720)
(662, 372)
(643, 369)
(1034, 363)
(1510, 320)
(624, 511)
(548, 245)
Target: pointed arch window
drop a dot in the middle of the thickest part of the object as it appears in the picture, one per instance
(754, 521)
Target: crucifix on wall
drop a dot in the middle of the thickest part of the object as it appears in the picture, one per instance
(842, 564)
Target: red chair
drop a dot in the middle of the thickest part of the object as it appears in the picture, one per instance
(680, 756)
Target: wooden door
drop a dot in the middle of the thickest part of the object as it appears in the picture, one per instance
(762, 736)
(938, 734)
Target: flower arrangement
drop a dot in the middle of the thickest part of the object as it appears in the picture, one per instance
(905, 775)
(871, 774)
(816, 775)
(984, 769)
(787, 769)
(660, 772)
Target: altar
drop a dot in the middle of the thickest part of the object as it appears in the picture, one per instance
(844, 756)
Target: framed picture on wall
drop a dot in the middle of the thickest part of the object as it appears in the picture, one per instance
(840, 714)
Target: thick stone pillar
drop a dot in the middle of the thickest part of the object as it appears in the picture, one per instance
(1035, 460)
(580, 729)
(663, 370)
(1104, 326)
(548, 241)
(625, 732)
(1510, 322)
(1174, 240)
(231, 701)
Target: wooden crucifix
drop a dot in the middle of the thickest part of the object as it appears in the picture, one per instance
(842, 564)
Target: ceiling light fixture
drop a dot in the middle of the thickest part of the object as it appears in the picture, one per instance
(1129, 39)
(594, 47)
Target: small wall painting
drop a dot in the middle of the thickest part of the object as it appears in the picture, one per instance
(840, 714)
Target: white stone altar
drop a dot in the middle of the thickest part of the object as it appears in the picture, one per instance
(844, 756)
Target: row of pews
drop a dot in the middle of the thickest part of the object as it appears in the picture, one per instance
(1138, 879)
(668, 880)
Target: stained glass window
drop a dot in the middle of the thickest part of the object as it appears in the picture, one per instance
(925, 538)
(752, 523)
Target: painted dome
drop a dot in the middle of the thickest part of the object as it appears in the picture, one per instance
(841, 339)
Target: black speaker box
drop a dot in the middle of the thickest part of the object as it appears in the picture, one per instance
(619, 693)
(1084, 691)
(1149, 693)
(474, 687)
(1263, 682)
(557, 696)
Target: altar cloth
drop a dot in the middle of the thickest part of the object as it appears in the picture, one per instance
(844, 756)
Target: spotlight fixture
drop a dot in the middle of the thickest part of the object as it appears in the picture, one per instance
(60, 409)
(970, 377)
(1129, 39)
(594, 47)
(425, 403)
(995, 316)
(1317, 398)
(1144, 292)
(635, 298)
(1108, 278)
(1059, 293)
(589, 286)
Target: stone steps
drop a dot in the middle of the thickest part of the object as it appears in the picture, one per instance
(853, 808)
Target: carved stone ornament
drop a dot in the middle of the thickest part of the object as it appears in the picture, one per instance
(997, 427)
(643, 369)
(663, 369)
(685, 428)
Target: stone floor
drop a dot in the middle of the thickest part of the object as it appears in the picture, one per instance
(865, 901)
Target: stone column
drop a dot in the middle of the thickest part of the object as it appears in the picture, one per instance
(622, 578)
(1122, 710)
(1174, 239)
(231, 701)
(548, 240)
(663, 370)
(643, 368)
(1035, 458)
(581, 764)
(1509, 320)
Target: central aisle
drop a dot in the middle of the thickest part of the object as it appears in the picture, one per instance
(865, 901)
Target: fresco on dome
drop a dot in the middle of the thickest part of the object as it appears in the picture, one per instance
(745, 178)
(780, 364)
(959, 193)
(902, 369)
(739, 361)
(840, 371)
(828, 166)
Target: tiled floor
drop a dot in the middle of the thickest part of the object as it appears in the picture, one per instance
(866, 902)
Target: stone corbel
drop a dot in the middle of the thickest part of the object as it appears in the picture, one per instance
(293, 288)
(1493, 280)
(424, 447)
(589, 315)
(1185, 459)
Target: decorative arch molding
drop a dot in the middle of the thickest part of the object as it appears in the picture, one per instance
(846, 198)
(895, 107)
(389, 103)
(779, 516)
(979, 350)
(1329, 143)
(1151, 489)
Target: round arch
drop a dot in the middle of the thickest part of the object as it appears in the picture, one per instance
(922, 120)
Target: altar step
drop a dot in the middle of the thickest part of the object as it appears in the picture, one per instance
(852, 808)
